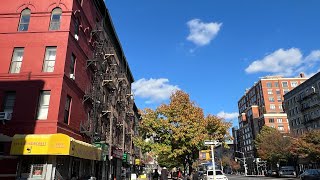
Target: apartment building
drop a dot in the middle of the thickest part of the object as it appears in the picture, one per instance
(65, 91)
(262, 105)
(302, 104)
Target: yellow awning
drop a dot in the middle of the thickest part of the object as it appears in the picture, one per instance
(53, 144)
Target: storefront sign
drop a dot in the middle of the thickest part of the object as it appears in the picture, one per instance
(53, 144)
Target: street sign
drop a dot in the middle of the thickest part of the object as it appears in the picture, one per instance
(209, 142)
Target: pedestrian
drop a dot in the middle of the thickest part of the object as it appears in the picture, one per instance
(174, 174)
(164, 174)
(155, 175)
(195, 175)
(180, 174)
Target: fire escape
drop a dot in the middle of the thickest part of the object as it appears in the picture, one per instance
(100, 95)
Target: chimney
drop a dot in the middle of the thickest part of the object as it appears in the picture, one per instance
(302, 75)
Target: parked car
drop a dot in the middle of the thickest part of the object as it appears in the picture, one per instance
(310, 174)
(219, 175)
(271, 173)
(286, 171)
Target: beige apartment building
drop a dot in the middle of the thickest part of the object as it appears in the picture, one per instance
(302, 105)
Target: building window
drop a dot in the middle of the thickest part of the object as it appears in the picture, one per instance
(276, 84)
(72, 66)
(284, 84)
(285, 91)
(80, 2)
(9, 101)
(270, 91)
(272, 106)
(279, 99)
(278, 91)
(50, 59)
(67, 110)
(294, 84)
(55, 19)
(76, 29)
(43, 107)
(280, 128)
(280, 107)
(279, 120)
(271, 120)
(24, 20)
(269, 84)
(271, 99)
(16, 60)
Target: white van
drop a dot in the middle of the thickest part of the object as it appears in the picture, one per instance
(219, 175)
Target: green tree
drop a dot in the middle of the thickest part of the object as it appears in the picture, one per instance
(307, 146)
(272, 146)
(175, 132)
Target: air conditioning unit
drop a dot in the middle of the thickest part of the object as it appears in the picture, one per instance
(72, 76)
(5, 116)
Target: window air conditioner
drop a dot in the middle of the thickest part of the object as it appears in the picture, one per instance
(72, 76)
(5, 116)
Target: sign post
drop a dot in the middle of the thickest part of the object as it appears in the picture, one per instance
(212, 144)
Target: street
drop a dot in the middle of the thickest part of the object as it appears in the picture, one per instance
(232, 177)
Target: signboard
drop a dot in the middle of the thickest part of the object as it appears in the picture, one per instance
(117, 153)
(210, 142)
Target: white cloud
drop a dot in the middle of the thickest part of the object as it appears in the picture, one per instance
(285, 62)
(228, 116)
(153, 90)
(202, 33)
(314, 56)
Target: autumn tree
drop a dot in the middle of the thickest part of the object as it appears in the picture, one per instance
(272, 146)
(175, 132)
(307, 146)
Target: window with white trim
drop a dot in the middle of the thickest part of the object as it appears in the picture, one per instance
(280, 128)
(270, 91)
(269, 84)
(294, 84)
(285, 91)
(24, 20)
(284, 84)
(49, 59)
(272, 106)
(16, 60)
(55, 19)
(43, 107)
(279, 120)
(271, 99)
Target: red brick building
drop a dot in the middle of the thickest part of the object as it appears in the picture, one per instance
(262, 105)
(55, 79)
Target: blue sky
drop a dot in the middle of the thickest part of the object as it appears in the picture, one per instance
(214, 50)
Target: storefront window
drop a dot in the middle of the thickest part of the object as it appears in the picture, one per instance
(33, 167)
(62, 169)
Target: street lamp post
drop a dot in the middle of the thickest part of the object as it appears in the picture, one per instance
(244, 163)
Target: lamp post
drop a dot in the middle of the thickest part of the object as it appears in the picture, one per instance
(212, 144)
(244, 162)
